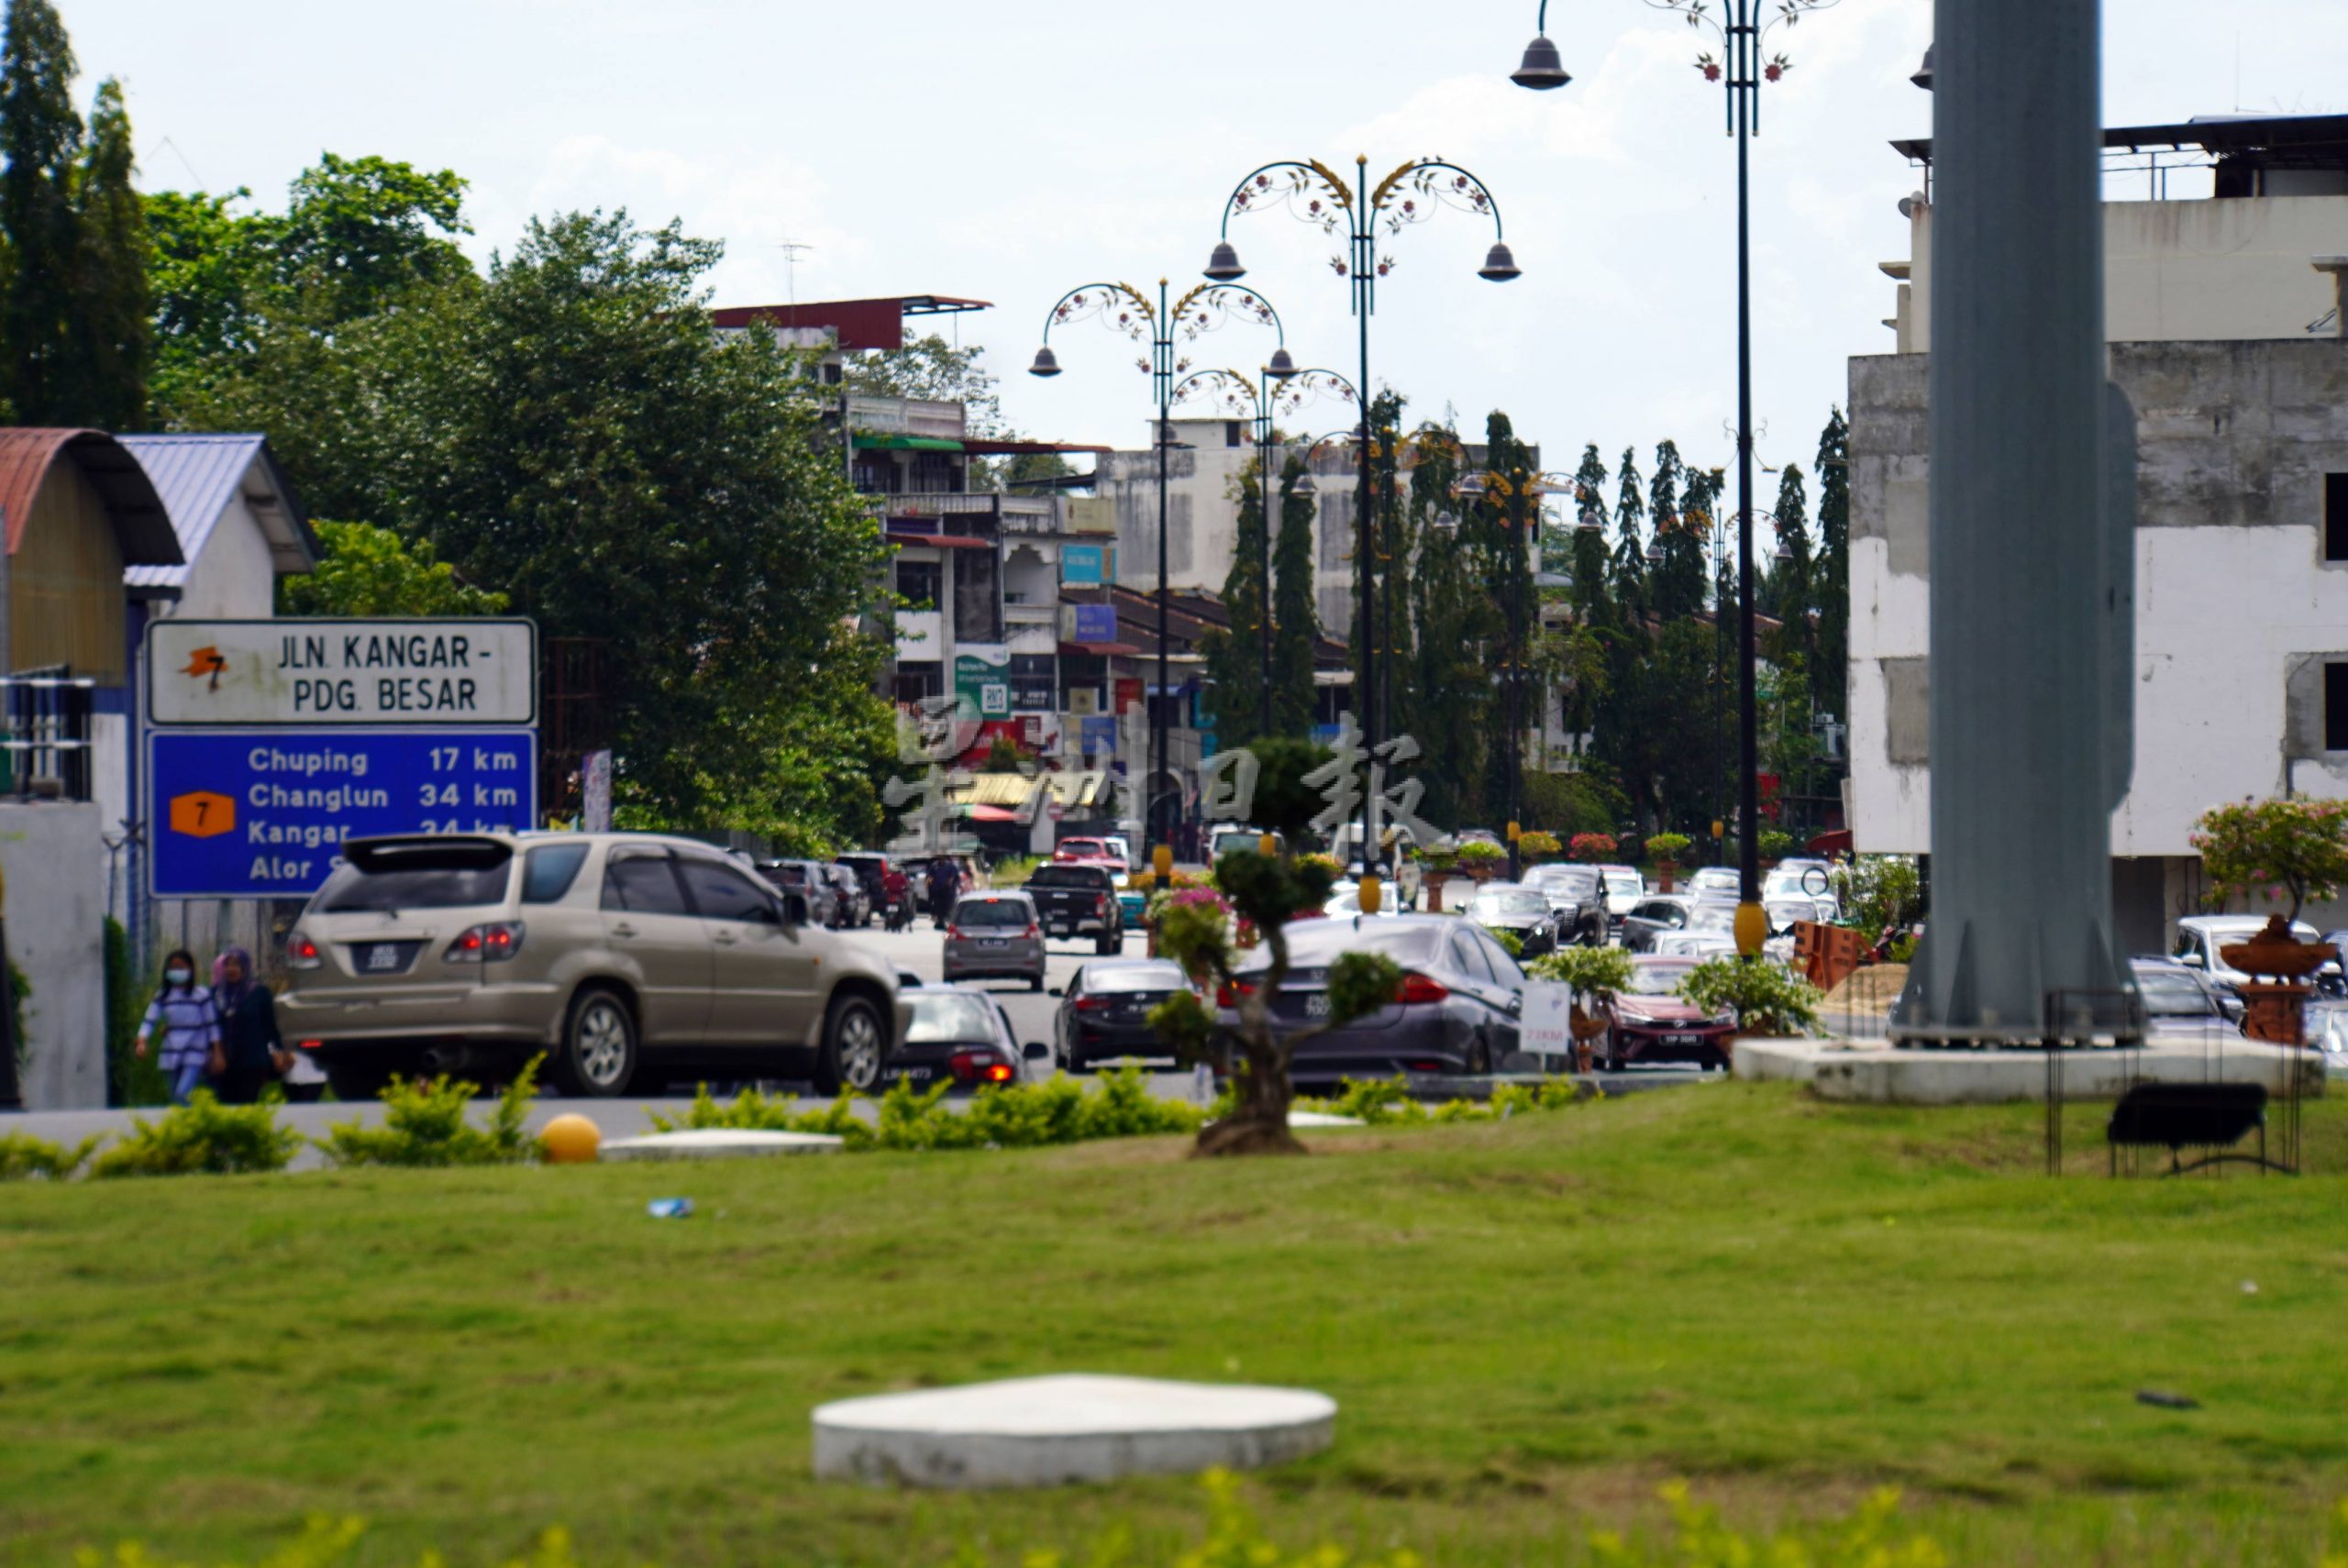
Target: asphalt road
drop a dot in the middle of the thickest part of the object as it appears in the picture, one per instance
(918, 950)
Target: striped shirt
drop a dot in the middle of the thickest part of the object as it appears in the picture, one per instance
(189, 1025)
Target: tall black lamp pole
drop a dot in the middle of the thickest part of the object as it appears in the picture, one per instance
(1741, 27)
(1126, 309)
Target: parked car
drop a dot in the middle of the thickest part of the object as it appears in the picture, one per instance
(620, 956)
(1648, 1021)
(1226, 838)
(1524, 913)
(1716, 879)
(1105, 1012)
(961, 1035)
(871, 868)
(852, 905)
(1083, 849)
(1132, 903)
(1345, 900)
(995, 936)
(1458, 1010)
(2201, 941)
(1077, 898)
(1121, 848)
(2179, 999)
(1577, 895)
(806, 878)
(1624, 887)
(1404, 883)
(1655, 914)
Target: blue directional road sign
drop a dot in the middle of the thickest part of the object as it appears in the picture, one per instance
(262, 813)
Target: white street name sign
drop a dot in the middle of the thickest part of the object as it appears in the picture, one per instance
(363, 672)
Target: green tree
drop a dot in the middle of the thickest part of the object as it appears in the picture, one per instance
(1296, 622)
(41, 141)
(935, 369)
(1590, 598)
(1786, 592)
(1236, 658)
(1455, 633)
(366, 570)
(1629, 563)
(1682, 523)
(107, 327)
(1829, 674)
(359, 233)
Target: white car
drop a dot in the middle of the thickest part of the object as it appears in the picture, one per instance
(2201, 941)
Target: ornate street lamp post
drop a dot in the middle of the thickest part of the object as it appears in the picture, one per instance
(1741, 27)
(1361, 212)
(1123, 308)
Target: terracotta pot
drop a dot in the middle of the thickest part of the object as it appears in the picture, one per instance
(2276, 953)
(1481, 871)
(1663, 874)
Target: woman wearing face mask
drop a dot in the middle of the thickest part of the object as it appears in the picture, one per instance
(183, 1011)
(248, 1036)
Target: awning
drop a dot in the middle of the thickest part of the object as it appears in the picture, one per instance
(989, 814)
(870, 442)
(1126, 649)
(942, 541)
(991, 447)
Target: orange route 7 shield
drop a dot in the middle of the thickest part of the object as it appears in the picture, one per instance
(202, 815)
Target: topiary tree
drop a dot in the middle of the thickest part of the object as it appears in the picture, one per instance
(1535, 844)
(1265, 890)
(1668, 847)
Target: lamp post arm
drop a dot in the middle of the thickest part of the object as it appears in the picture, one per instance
(1282, 179)
(1213, 297)
(1466, 190)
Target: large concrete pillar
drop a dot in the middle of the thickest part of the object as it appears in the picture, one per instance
(2025, 582)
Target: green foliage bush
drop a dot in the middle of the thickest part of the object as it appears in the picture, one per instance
(202, 1137)
(1670, 846)
(1879, 892)
(1604, 969)
(1387, 1102)
(137, 1081)
(1776, 844)
(1014, 870)
(1766, 999)
(1512, 943)
(423, 1125)
(1537, 844)
(1006, 1116)
(1475, 852)
(22, 1156)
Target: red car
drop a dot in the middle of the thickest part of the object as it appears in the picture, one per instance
(1651, 1023)
(1084, 849)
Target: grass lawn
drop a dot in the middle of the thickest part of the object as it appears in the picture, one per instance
(1529, 1327)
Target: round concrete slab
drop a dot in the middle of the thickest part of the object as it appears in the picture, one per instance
(1323, 1119)
(1048, 1431)
(719, 1143)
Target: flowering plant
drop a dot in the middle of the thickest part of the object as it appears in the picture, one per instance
(1593, 847)
(1535, 844)
(2266, 849)
(1183, 892)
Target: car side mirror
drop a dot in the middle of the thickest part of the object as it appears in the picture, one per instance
(907, 979)
(794, 909)
(1036, 1051)
(2193, 960)
(1056, 991)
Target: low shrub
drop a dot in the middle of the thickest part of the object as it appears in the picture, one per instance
(22, 1156)
(1387, 1102)
(423, 1125)
(1537, 845)
(1776, 844)
(204, 1137)
(1013, 870)
(1475, 852)
(1601, 969)
(1010, 1116)
(1766, 999)
(1509, 940)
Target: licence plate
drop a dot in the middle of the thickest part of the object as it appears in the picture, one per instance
(1683, 1040)
(384, 957)
(1317, 1005)
(995, 941)
(914, 1074)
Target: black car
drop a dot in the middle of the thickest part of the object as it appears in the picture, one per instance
(1080, 899)
(1524, 913)
(1461, 1000)
(1577, 895)
(854, 905)
(961, 1035)
(1104, 1012)
(1659, 912)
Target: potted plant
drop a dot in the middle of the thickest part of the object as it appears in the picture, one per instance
(1436, 864)
(2274, 850)
(1667, 848)
(1775, 845)
(1537, 845)
(1594, 848)
(1767, 1000)
(1596, 974)
(1482, 860)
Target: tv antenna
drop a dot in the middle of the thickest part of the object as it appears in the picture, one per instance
(790, 250)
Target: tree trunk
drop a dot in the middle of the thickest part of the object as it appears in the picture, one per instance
(1258, 1122)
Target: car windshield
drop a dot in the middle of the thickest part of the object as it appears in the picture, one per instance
(1135, 977)
(1657, 980)
(991, 912)
(1714, 877)
(1624, 882)
(1713, 917)
(1065, 876)
(1316, 943)
(1082, 848)
(349, 889)
(1525, 902)
(2170, 994)
(949, 1017)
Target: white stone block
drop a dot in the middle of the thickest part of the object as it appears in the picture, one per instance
(719, 1143)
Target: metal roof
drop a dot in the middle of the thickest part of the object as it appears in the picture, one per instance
(143, 529)
(197, 476)
(858, 324)
(2218, 134)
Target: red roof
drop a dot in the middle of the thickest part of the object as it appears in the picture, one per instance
(861, 323)
(142, 528)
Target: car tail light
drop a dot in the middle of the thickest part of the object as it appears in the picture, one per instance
(1423, 1066)
(1032, 930)
(1229, 996)
(979, 1067)
(1418, 989)
(311, 1044)
(953, 933)
(491, 943)
(301, 953)
(1093, 1004)
(1100, 906)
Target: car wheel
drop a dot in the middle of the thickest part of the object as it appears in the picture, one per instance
(854, 1044)
(1480, 1062)
(358, 1080)
(1035, 981)
(1110, 947)
(599, 1049)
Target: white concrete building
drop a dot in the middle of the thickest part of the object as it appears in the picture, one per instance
(2222, 312)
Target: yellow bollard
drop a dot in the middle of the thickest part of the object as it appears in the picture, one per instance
(571, 1140)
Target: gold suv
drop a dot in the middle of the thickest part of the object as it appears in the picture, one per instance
(625, 958)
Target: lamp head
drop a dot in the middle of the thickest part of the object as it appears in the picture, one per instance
(1500, 264)
(1222, 266)
(1923, 77)
(1046, 363)
(1305, 486)
(1280, 367)
(1541, 69)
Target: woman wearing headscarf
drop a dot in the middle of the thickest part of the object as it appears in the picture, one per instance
(248, 1036)
(182, 1009)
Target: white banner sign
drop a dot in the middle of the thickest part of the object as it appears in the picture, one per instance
(1547, 1031)
(355, 672)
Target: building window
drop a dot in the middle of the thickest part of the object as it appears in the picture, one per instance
(2335, 707)
(2335, 517)
(1231, 433)
(920, 584)
(914, 681)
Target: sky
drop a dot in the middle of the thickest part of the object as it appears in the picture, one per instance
(1014, 150)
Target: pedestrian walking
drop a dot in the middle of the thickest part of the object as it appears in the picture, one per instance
(945, 881)
(183, 1010)
(249, 1043)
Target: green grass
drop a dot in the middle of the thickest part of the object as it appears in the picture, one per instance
(1529, 1327)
